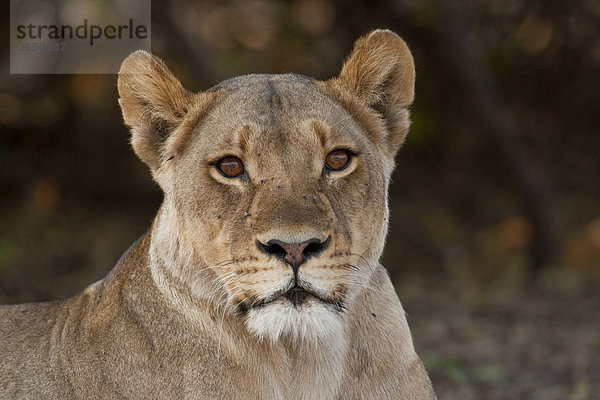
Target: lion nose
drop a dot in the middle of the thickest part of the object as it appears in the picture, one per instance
(294, 253)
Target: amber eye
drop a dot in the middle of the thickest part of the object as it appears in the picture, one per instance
(338, 159)
(230, 166)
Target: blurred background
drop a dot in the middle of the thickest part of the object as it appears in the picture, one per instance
(494, 245)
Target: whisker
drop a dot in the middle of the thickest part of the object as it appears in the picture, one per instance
(224, 263)
(361, 257)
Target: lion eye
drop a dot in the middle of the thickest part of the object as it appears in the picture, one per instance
(338, 159)
(230, 166)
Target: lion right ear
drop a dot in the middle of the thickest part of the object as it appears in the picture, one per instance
(380, 73)
(153, 103)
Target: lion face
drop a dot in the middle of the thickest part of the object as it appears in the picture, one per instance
(283, 230)
(275, 188)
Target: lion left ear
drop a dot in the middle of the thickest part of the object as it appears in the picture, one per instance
(153, 103)
(380, 72)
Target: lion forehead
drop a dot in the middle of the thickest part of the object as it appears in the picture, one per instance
(280, 99)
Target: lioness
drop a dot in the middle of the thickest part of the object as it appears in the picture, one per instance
(259, 277)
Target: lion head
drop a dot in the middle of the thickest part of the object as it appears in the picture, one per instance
(275, 186)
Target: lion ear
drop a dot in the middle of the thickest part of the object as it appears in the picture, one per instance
(380, 72)
(153, 103)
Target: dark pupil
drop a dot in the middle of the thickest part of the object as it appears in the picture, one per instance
(230, 166)
(337, 160)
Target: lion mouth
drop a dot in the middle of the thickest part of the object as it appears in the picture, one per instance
(298, 296)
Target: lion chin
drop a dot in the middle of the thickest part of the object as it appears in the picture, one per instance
(311, 321)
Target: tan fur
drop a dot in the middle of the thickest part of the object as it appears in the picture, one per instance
(194, 309)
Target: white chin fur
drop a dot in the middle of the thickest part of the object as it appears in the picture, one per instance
(311, 322)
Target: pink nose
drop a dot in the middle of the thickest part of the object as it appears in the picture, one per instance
(294, 253)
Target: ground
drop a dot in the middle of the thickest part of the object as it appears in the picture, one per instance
(538, 340)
